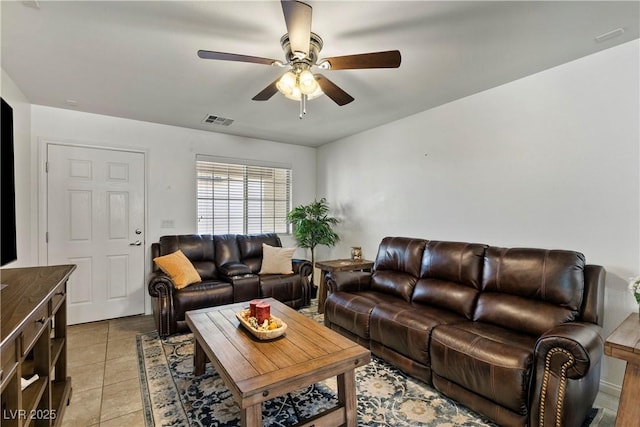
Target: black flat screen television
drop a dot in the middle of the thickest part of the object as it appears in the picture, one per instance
(8, 249)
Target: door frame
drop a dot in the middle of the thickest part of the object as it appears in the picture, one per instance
(43, 214)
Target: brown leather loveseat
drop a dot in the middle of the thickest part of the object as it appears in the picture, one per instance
(228, 266)
(514, 334)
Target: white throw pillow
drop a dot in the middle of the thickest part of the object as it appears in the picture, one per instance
(276, 260)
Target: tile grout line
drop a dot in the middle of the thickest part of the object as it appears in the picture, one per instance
(104, 372)
(109, 334)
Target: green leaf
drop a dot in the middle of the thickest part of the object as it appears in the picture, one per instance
(312, 226)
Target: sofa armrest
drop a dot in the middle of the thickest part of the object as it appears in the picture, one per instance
(161, 288)
(160, 285)
(348, 281)
(567, 353)
(245, 287)
(580, 344)
(302, 267)
(233, 269)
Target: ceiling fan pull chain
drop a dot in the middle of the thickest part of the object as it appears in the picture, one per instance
(303, 105)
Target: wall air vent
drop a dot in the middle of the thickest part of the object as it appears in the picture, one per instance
(33, 3)
(217, 120)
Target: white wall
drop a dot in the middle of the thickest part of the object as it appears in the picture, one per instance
(27, 254)
(170, 154)
(551, 160)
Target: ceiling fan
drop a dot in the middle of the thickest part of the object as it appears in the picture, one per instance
(301, 47)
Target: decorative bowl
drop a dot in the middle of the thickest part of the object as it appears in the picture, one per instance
(262, 334)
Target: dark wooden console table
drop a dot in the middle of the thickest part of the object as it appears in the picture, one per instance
(624, 343)
(337, 265)
(33, 341)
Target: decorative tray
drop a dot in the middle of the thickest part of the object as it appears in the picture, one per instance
(260, 333)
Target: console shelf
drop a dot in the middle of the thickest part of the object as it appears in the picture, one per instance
(33, 341)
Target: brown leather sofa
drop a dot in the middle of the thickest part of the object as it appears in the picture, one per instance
(228, 265)
(514, 334)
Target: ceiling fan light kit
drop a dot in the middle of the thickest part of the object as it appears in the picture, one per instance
(301, 48)
(293, 84)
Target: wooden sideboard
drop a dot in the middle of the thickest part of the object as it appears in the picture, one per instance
(624, 344)
(33, 320)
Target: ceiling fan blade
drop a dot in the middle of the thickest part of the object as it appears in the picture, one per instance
(387, 59)
(267, 92)
(207, 54)
(297, 16)
(330, 89)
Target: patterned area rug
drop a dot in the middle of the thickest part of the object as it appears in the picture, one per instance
(172, 396)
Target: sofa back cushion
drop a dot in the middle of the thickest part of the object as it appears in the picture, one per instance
(530, 290)
(250, 247)
(451, 276)
(198, 248)
(397, 266)
(226, 249)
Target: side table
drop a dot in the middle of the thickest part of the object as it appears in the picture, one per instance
(337, 265)
(624, 343)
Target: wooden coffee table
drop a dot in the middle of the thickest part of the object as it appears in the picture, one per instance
(256, 371)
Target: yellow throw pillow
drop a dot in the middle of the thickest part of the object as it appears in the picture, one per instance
(276, 260)
(179, 268)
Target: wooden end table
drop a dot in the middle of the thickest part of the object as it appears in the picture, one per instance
(256, 371)
(337, 265)
(624, 343)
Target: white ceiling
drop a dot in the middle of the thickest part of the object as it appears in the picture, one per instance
(138, 59)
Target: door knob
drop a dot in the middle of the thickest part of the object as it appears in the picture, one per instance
(138, 231)
(136, 243)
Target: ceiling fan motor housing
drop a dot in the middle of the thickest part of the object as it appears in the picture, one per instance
(315, 46)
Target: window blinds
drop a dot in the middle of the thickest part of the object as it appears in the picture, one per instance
(242, 199)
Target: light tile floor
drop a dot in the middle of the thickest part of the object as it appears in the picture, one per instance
(103, 366)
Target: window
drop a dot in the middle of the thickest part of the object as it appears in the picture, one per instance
(242, 199)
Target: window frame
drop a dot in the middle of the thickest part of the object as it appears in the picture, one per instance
(280, 181)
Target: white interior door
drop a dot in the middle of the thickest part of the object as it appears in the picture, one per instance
(95, 219)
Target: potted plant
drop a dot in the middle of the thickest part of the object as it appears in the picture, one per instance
(312, 226)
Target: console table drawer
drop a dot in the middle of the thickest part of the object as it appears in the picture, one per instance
(9, 362)
(58, 297)
(34, 327)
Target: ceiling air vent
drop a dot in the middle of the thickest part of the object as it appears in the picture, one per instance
(217, 120)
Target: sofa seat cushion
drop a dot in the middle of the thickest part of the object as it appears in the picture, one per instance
(488, 360)
(407, 328)
(201, 295)
(352, 310)
(283, 287)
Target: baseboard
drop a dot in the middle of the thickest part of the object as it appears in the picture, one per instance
(610, 388)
